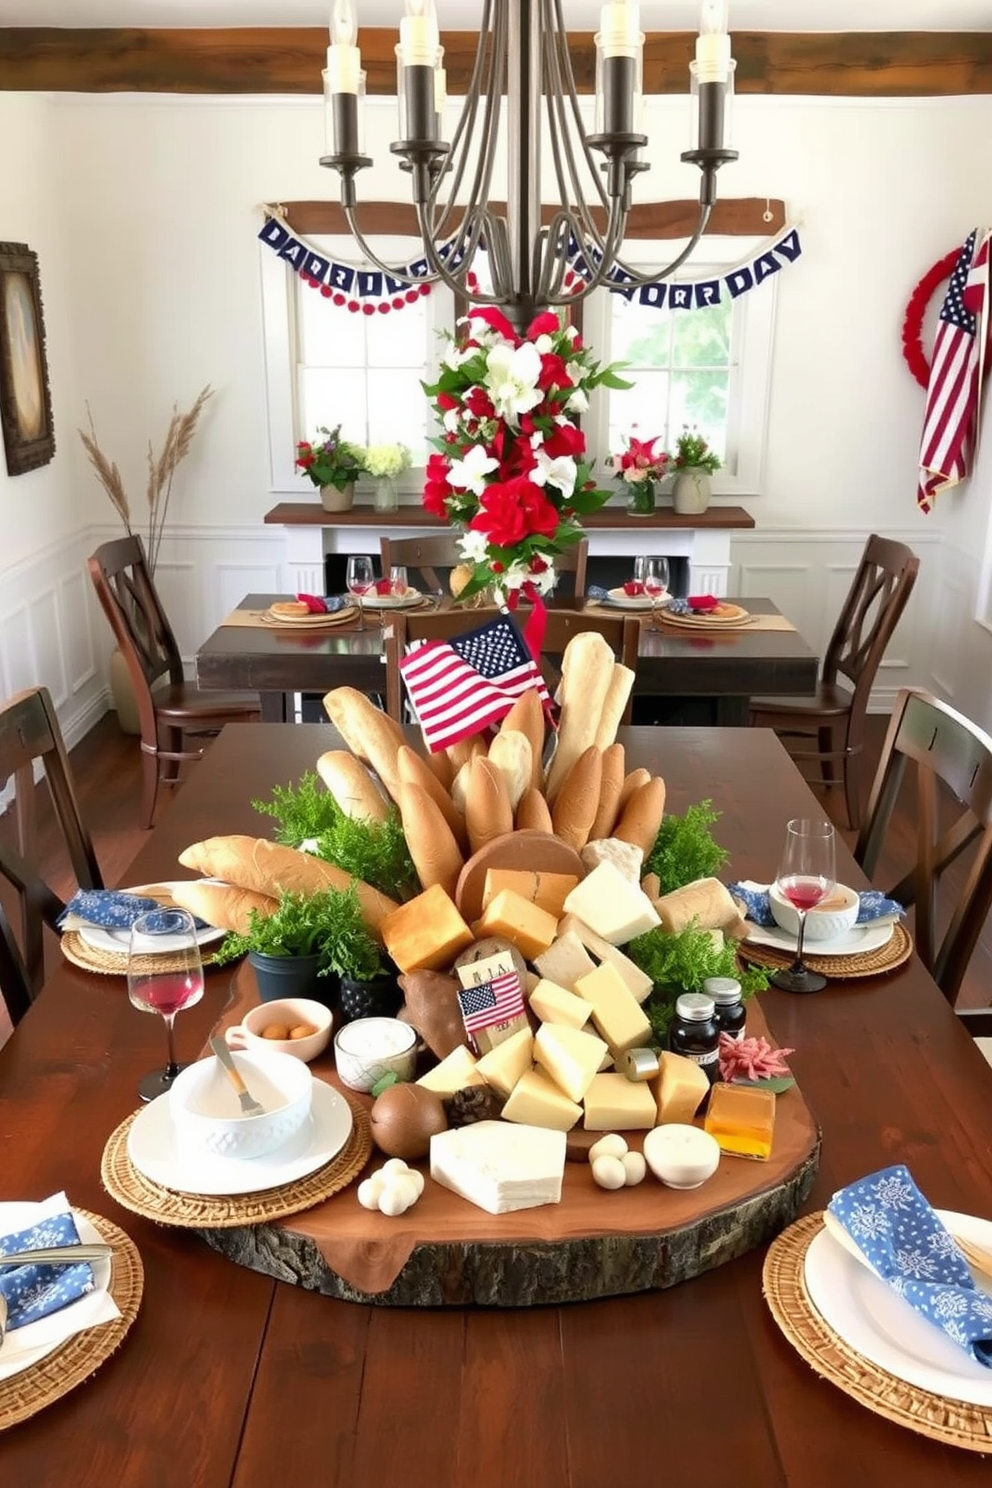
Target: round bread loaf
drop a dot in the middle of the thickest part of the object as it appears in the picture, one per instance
(435, 853)
(351, 785)
(578, 800)
(707, 901)
(511, 753)
(413, 770)
(487, 804)
(368, 732)
(641, 817)
(290, 609)
(587, 670)
(609, 792)
(617, 695)
(527, 717)
(222, 905)
(533, 813)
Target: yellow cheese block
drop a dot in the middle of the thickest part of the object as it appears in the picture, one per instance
(526, 926)
(572, 928)
(426, 933)
(535, 1100)
(552, 1004)
(679, 1087)
(456, 1072)
(617, 1014)
(569, 1056)
(503, 1066)
(742, 1120)
(566, 959)
(614, 1103)
(547, 890)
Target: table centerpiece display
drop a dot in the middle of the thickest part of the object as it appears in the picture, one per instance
(640, 469)
(333, 464)
(692, 464)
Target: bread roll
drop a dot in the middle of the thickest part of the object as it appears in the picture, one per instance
(651, 885)
(617, 694)
(587, 670)
(609, 792)
(440, 767)
(435, 853)
(631, 782)
(465, 750)
(533, 813)
(578, 800)
(487, 804)
(290, 609)
(706, 901)
(527, 717)
(221, 905)
(414, 771)
(271, 869)
(351, 785)
(367, 731)
(511, 753)
(641, 817)
(459, 787)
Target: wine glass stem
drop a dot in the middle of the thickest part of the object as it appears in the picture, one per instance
(799, 943)
(172, 1068)
(361, 613)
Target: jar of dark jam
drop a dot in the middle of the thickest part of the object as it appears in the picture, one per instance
(695, 1033)
(730, 1013)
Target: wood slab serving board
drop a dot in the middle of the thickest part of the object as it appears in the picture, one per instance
(446, 1252)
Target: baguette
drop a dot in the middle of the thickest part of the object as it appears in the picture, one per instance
(587, 670)
(609, 792)
(707, 901)
(414, 771)
(641, 817)
(271, 869)
(440, 766)
(527, 717)
(435, 853)
(465, 751)
(513, 757)
(222, 905)
(617, 694)
(351, 785)
(533, 813)
(459, 787)
(367, 731)
(631, 782)
(487, 804)
(576, 803)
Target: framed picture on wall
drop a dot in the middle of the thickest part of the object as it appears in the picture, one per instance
(25, 400)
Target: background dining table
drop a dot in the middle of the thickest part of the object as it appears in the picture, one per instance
(230, 1379)
(727, 668)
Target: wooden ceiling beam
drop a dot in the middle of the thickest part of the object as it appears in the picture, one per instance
(283, 60)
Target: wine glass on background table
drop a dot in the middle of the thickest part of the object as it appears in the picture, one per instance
(360, 578)
(655, 578)
(806, 876)
(164, 975)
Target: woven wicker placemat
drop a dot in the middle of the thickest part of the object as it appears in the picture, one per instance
(114, 963)
(75, 1360)
(953, 1422)
(134, 1191)
(896, 950)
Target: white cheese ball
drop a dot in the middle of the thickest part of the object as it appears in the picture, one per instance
(612, 1145)
(608, 1171)
(394, 1165)
(416, 1178)
(399, 1194)
(634, 1167)
(370, 1191)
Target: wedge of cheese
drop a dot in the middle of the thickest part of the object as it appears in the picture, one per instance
(618, 1016)
(552, 1004)
(679, 1088)
(499, 1167)
(457, 1071)
(426, 933)
(565, 960)
(612, 905)
(503, 1066)
(536, 1100)
(547, 890)
(638, 981)
(523, 924)
(569, 1056)
(614, 1103)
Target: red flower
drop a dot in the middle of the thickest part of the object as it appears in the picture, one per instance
(446, 401)
(496, 321)
(554, 373)
(436, 487)
(542, 325)
(538, 565)
(478, 403)
(565, 439)
(512, 510)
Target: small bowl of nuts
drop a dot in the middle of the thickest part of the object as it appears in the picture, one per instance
(290, 1025)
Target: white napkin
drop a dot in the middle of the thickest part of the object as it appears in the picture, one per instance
(25, 1346)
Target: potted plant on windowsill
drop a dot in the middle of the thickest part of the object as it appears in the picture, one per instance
(693, 463)
(333, 464)
(640, 469)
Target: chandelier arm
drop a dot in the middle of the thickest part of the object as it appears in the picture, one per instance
(557, 119)
(562, 228)
(565, 118)
(570, 93)
(456, 283)
(395, 271)
(466, 125)
(652, 276)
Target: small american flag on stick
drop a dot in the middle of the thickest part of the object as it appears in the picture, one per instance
(459, 687)
(495, 1001)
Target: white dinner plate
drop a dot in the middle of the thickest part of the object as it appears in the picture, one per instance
(636, 601)
(155, 1150)
(117, 941)
(14, 1217)
(874, 1320)
(391, 601)
(853, 943)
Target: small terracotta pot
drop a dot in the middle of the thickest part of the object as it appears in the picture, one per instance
(333, 500)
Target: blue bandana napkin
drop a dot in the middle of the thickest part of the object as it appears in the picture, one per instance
(901, 1237)
(32, 1292)
(873, 905)
(111, 909)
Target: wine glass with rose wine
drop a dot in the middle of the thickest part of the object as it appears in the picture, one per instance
(806, 876)
(360, 578)
(164, 975)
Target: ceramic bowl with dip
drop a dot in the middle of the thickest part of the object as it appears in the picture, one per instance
(835, 916)
(369, 1048)
(263, 1027)
(207, 1115)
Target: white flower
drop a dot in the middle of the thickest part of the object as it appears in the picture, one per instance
(560, 472)
(472, 546)
(455, 355)
(386, 459)
(511, 377)
(451, 420)
(544, 345)
(544, 582)
(571, 331)
(469, 473)
(577, 401)
(633, 475)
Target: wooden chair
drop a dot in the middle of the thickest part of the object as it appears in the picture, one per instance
(425, 555)
(15, 989)
(945, 750)
(832, 721)
(29, 734)
(622, 632)
(168, 714)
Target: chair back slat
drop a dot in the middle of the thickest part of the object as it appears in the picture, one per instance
(871, 611)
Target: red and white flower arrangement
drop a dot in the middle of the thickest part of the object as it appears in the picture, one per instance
(510, 468)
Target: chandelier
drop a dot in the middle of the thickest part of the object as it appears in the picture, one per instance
(534, 260)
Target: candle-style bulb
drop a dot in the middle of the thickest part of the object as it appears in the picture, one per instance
(714, 19)
(344, 27)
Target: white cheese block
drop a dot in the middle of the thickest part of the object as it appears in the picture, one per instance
(680, 1087)
(681, 1156)
(535, 1100)
(617, 1014)
(500, 1167)
(638, 981)
(455, 1072)
(610, 904)
(552, 1004)
(613, 1104)
(502, 1066)
(569, 1056)
(627, 857)
(565, 960)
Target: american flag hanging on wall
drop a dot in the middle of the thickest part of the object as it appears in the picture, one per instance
(957, 371)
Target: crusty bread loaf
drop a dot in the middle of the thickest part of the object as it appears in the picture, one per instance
(222, 905)
(614, 704)
(511, 753)
(269, 868)
(576, 803)
(459, 787)
(707, 901)
(351, 785)
(413, 770)
(465, 750)
(435, 853)
(609, 792)
(631, 782)
(641, 817)
(587, 670)
(533, 813)
(367, 731)
(651, 885)
(440, 767)
(487, 804)
(527, 717)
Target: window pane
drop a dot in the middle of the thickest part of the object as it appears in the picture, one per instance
(329, 335)
(642, 411)
(702, 337)
(398, 339)
(398, 411)
(701, 400)
(332, 397)
(641, 337)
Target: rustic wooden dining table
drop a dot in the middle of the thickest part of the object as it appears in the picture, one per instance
(230, 1379)
(726, 667)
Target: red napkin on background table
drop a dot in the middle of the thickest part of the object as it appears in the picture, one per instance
(314, 603)
(702, 602)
